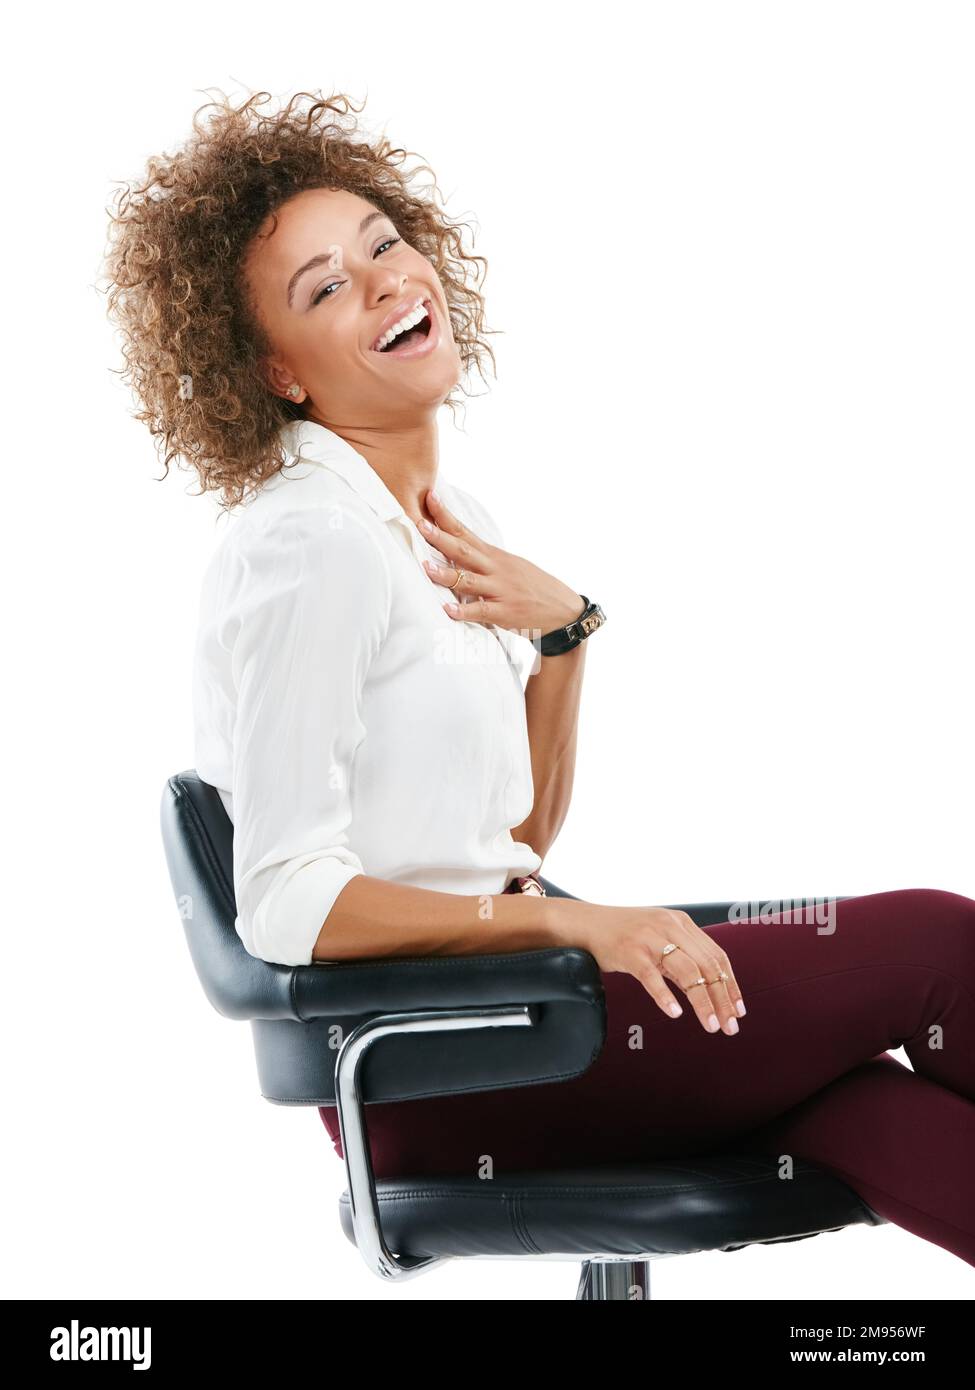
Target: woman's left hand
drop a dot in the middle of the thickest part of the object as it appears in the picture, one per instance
(497, 587)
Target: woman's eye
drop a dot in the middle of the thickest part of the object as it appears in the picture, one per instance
(324, 292)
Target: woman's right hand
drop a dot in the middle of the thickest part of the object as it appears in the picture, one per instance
(632, 939)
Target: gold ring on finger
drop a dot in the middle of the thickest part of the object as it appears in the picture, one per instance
(699, 981)
(460, 576)
(722, 976)
(667, 949)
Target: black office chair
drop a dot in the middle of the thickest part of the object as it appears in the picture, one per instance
(518, 1018)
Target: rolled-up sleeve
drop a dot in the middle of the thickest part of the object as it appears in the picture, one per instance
(311, 610)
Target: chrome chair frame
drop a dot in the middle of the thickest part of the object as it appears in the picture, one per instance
(369, 1238)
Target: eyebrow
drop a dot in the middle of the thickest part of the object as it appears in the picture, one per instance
(324, 257)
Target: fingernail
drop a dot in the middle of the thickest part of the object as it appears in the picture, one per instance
(674, 1009)
(732, 1025)
(452, 607)
(740, 1006)
(425, 524)
(713, 1024)
(435, 495)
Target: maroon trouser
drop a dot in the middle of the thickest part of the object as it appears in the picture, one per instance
(807, 1075)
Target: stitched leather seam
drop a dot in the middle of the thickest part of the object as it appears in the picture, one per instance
(537, 1000)
(204, 843)
(596, 1189)
(564, 961)
(523, 1233)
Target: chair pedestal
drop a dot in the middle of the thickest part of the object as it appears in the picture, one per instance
(614, 1279)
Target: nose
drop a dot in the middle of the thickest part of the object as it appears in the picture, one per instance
(390, 284)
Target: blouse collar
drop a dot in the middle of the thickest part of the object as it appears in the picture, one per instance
(311, 442)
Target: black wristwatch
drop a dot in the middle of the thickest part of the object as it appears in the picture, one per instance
(563, 639)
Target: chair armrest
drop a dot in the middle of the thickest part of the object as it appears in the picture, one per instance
(561, 988)
(558, 989)
(439, 1025)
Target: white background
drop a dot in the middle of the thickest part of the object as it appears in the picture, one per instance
(730, 251)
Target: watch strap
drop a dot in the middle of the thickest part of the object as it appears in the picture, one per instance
(564, 639)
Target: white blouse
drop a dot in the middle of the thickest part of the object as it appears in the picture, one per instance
(348, 723)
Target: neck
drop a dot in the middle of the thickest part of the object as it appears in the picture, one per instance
(405, 457)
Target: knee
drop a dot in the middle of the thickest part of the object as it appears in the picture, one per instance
(944, 902)
(945, 912)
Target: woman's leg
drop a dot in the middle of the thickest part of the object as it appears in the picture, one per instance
(805, 1075)
(904, 1143)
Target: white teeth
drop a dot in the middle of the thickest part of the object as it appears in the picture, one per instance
(410, 320)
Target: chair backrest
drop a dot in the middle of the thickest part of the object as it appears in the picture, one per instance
(296, 1013)
(198, 838)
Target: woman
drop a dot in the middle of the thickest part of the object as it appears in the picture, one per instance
(375, 702)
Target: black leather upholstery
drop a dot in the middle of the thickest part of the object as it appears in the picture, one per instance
(667, 1206)
(719, 1201)
(294, 1010)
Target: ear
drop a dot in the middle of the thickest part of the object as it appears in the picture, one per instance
(276, 376)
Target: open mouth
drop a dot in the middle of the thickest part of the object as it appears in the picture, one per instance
(411, 329)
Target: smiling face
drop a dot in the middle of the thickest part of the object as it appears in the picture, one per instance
(329, 283)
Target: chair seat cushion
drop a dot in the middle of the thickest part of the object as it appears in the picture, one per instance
(664, 1207)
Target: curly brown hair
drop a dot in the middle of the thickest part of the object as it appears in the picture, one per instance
(178, 295)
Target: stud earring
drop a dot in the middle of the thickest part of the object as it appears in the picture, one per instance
(294, 389)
